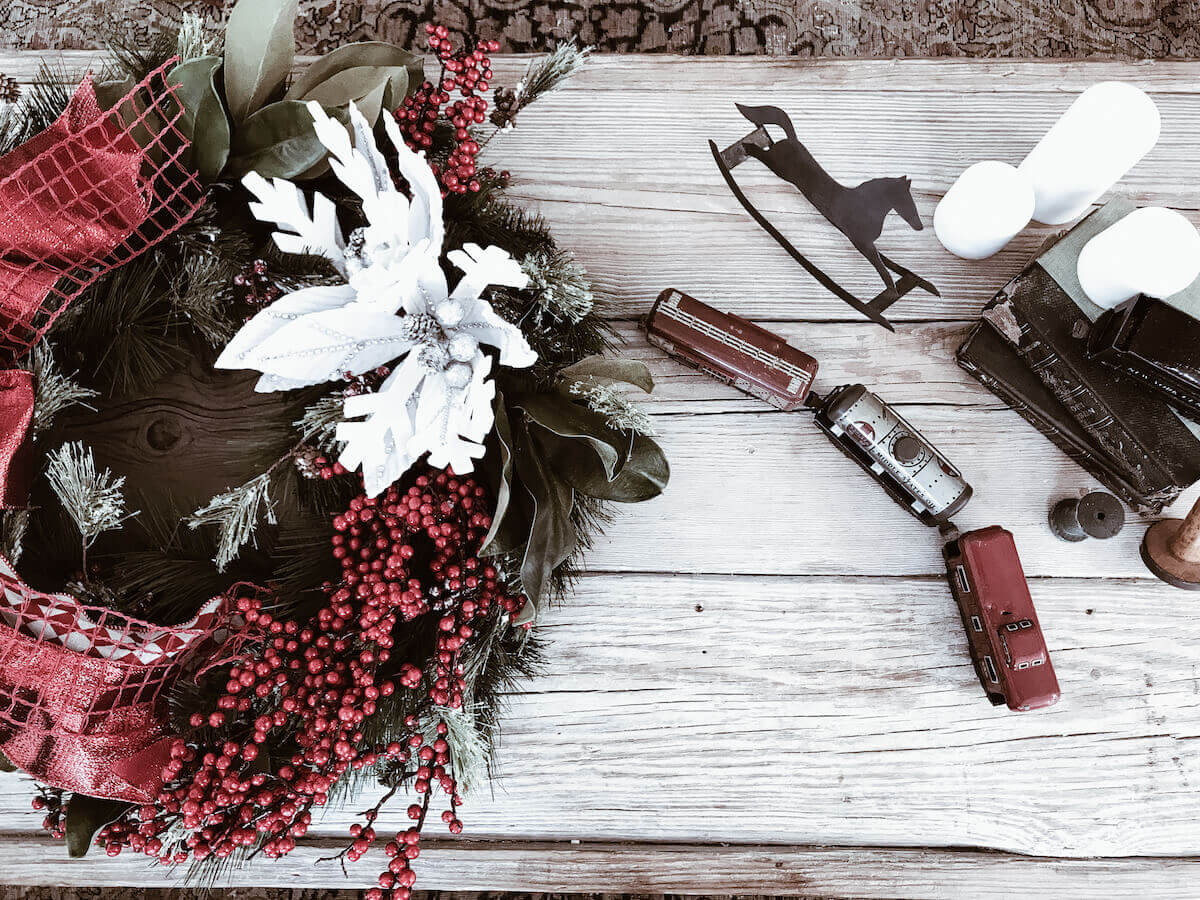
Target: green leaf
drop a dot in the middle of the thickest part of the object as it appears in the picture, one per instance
(87, 815)
(260, 47)
(365, 54)
(568, 419)
(203, 121)
(552, 538)
(371, 105)
(355, 84)
(110, 93)
(504, 491)
(644, 475)
(5, 765)
(606, 370)
(278, 141)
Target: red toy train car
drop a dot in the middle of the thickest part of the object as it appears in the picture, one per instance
(731, 349)
(1007, 646)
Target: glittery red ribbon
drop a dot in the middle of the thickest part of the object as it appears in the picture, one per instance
(89, 193)
(82, 689)
(83, 702)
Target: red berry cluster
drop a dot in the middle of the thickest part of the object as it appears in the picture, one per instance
(50, 799)
(467, 72)
(310, 690)
(365, 382)
(256, 287)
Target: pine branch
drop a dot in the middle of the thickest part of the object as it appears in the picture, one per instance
(131, 56)
(141, 339)
(13, 525)
(542, 77)
(318, 425)
(43, 102)
(94, 500)
(236, 513)
(53, 391)
(192, 41)
(607, 400)
(558, 284)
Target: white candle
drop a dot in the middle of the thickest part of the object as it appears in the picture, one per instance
(1108, 128)
(1152, 251)
(983, 210)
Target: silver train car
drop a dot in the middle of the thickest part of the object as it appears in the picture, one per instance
(913, 472)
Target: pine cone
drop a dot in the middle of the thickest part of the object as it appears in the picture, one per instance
(421, 328)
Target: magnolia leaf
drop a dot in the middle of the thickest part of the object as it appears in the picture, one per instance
(203, 121)
(371, 105)
(278, 141)
(644, 475)
(365, 54)
(260, 47)
(604, 370)
(569, 419)
(109, 93)
(504, 490)
(355, 84)
(87, 815)
(552, 538)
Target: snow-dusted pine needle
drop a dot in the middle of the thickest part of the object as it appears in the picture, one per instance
(621, 414)
(318, 424)
(236, 513)
(543, 75)
(53, 391)
(558, 284)
(468, 747)
(193, 41)
(92, 499)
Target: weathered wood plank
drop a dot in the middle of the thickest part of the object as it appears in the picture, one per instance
(869, 873)
(787, 502)
(837, 710)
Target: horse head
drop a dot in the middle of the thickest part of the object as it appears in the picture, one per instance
(902, 202)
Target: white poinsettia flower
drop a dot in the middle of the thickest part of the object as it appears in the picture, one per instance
(395, 305)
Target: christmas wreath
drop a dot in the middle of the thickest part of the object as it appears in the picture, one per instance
(420, 434)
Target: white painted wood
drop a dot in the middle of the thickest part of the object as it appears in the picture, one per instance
(767, 655)
(885, 874)
(806, 710)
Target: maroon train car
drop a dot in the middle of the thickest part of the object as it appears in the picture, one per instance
(731, 349)
(1007, 646)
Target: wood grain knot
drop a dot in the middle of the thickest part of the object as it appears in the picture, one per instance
(164, 433)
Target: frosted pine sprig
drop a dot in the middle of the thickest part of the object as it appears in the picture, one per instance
(93, 499)
(53, 391)
(236, 513)
(621, 414)
(558, 284)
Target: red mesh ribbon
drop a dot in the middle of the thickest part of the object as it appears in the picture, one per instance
(88, 194)
(82, 703)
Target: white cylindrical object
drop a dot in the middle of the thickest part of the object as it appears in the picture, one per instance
(983, 210)
(1152, 251)
(1108, 128)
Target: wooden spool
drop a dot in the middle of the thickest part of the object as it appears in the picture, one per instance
(1171, 550)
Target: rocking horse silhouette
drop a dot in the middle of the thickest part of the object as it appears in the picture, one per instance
(856, 212)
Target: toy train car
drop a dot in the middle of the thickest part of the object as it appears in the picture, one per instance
(731, 349)
(912, 471)
(1007, 646)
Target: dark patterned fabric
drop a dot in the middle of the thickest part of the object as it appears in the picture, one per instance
(845, 28)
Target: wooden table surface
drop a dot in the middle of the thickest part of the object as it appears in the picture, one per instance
(762, 684)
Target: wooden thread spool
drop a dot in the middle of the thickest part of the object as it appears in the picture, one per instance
(1171, 550)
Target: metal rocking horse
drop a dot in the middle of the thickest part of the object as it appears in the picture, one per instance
(857, 212)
